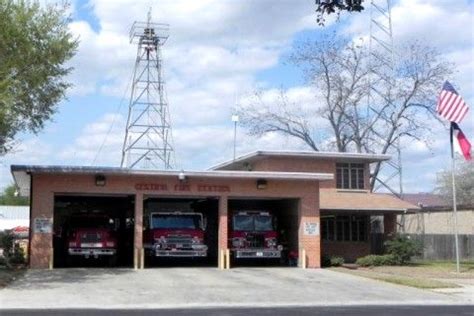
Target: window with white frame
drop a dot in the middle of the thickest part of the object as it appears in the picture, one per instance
(350, 176)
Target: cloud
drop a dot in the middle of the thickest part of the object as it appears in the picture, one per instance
(99, 143)
(212, 58)
(30, 151)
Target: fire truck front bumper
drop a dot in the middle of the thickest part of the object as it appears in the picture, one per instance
(92, 252)
(194, 251)
(257, 253)
(180, 253)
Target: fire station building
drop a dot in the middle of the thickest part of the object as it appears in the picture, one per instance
(321, 202)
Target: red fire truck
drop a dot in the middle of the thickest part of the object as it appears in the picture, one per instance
(175, 234)
(253, 235)
(92, 235)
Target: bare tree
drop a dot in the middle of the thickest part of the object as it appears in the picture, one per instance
(361, 115)
(464, 174)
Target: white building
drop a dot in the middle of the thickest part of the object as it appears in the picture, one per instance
(14, 216)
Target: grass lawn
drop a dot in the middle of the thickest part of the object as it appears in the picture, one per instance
(425, 275)
(9, 275)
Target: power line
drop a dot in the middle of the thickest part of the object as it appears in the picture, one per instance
(117, 111)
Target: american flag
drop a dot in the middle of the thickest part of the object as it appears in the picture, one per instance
(450, 105)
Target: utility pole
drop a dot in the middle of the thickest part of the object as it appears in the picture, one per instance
(148, 136)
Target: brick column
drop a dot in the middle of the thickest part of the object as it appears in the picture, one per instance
(223, 238)
(138, 234)
(389, 225)
(309, 214)
(41, 248)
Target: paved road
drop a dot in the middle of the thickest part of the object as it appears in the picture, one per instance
(282, 311)
(176, 288)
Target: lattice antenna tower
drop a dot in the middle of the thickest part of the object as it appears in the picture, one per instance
(148, 135)
(382, 53)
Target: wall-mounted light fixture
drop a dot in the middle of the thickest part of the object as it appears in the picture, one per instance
(261, 184)
(181, 176)
(100, 180)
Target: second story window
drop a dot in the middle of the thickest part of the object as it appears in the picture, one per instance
(350, 176)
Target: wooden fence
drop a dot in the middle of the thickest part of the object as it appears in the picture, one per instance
(441, 247)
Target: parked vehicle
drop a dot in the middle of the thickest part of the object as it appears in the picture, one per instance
(253, 235)
(92, 235)
(176, 234)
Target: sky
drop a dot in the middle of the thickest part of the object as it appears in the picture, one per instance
(219, 53)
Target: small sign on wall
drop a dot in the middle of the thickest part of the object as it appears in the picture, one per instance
(311, 229)
(43, 225)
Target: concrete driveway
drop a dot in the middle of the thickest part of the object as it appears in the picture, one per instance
(206, 287)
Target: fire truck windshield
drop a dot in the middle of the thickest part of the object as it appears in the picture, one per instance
(253, 223)
(171, 221)
(91, 222)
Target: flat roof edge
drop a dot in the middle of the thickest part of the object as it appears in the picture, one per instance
(303, 154)
(386, 209)
(211, 174)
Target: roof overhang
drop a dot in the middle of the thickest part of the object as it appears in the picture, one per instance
(320, 155)
(363, 202)
(22, 174)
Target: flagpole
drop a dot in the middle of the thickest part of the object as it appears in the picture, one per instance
(453, 166)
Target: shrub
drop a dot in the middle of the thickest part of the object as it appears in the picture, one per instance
(403, 248)
(13, 254)
(18, 257)
(325, 261)
(336, 261)
(6, 242)
(331, 261)
(377, 260)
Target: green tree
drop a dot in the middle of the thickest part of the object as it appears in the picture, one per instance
(35, 44)
(464, 176)
(10, 197)
(327, 7)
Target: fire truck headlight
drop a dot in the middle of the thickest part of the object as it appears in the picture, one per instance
(72, 244)
(237, 242)
(271, 242)
(197, 240)
(110, 244)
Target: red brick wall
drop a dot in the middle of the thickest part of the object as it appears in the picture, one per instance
(46, 185)
(350, 251)
(305, 165)
(138, 232)
(42, 207)
(298, 165)
(309, 213)
(223, 224)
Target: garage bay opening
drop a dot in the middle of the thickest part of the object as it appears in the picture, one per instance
(180, 231)
(263, 232)
(93, 231)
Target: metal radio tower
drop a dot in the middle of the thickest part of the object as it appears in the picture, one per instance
(382, 53)
(148, 138)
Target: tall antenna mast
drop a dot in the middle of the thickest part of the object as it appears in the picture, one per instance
(148, 138)
(382, 53)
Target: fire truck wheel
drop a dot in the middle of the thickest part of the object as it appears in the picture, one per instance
(113, 261)
(69, 261)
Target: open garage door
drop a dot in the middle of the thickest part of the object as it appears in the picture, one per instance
(263, 232)
(93, 231)
(180, 231)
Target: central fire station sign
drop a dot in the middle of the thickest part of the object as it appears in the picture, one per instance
(181, 187)
(311, 229)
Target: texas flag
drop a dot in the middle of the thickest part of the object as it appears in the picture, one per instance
(460, 142)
